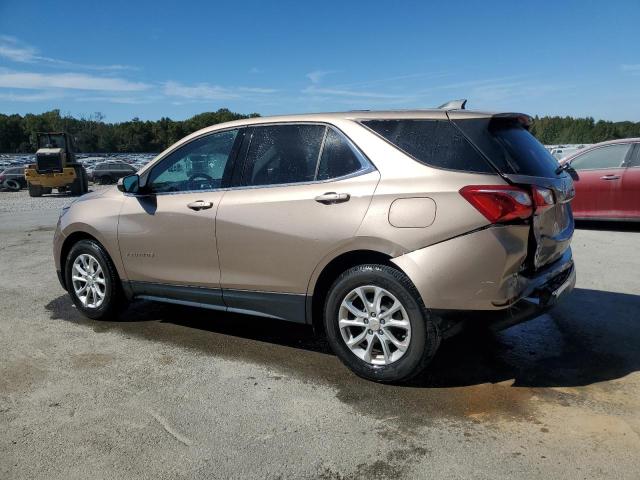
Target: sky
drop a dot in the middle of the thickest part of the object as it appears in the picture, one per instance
(153, 59)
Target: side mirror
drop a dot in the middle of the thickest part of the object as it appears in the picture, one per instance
(129, 184)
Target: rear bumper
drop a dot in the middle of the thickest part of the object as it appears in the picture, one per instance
(481, 270)
(549, 289)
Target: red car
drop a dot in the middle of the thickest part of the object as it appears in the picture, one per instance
(608, 183)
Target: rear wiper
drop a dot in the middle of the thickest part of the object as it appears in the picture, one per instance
(564, 167)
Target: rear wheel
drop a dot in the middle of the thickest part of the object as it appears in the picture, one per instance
(77, 185)
(92, 280)
(378, 325)
(35, 190)
(12, 185)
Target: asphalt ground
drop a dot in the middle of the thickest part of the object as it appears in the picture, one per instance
(174, 392)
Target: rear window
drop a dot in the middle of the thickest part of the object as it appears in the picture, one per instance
(509, 146)
(437, 143)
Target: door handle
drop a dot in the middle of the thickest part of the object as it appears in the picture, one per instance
(331, 198)
(199, 205)
(610, 177)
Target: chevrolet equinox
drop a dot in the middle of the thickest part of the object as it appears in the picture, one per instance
(389, 230)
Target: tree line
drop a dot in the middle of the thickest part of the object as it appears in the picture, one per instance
(94, 135)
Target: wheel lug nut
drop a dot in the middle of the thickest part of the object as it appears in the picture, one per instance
(381, 322)
(366, 320)
(370, 331)
(373, 314)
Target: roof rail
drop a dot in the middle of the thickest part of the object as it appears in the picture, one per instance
(454, 105)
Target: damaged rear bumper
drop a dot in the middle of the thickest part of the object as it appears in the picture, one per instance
(546, 291)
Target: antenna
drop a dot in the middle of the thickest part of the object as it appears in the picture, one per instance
(454, 105)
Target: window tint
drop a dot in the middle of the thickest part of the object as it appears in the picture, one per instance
(610, 156)
(338, 157)
(524, 153)
(433, 142)
(198, 165)
(280, 154)
(635, 159)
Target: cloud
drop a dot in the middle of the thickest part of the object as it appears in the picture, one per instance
(71, 81)
(317, 75)
(16, 51)
(633, 69)
(30, 97)
(207, 91)
(353, 93)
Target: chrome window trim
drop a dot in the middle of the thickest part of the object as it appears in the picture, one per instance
(367, 168)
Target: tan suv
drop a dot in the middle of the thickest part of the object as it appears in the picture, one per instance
(387, 229)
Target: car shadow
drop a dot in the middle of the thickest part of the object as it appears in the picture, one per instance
(608, 225)
(593, 336)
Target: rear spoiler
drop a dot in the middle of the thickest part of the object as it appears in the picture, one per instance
(522, 118)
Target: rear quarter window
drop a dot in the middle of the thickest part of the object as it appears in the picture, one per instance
(437, 143)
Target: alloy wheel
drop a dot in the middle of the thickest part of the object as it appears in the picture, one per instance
(88, 281)
(374, 325)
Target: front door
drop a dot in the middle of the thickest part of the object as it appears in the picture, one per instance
(168, 237)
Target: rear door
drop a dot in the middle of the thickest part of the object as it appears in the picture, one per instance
(599, 184)
(630, 201)
(301, 191)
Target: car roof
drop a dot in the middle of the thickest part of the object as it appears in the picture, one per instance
(357, 115)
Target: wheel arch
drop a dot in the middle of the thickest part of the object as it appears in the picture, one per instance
(318, 291)
(74, 238)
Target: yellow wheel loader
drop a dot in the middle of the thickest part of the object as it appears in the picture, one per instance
(56, 167)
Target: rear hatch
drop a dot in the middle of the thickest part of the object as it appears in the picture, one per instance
(515, 153)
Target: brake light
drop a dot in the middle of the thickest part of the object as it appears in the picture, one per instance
(499, 203)
(543, 198)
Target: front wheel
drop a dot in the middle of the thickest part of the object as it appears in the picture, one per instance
(378, 325)
(92, 281)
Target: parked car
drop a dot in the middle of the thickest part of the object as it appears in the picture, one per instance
(382, 228)
(13, 178)
(608, 180)
(106, 173)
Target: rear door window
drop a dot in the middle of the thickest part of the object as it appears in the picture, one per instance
(283, 154)
(610, 156)
(437, 143)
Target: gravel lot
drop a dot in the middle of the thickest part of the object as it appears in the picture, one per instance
(172, 392)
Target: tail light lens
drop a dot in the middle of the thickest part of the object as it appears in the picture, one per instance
(543, 198)
(499, 203)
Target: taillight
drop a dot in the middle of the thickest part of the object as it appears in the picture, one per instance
(499, 203)
(542, 198)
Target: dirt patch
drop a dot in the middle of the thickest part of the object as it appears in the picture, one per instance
(20, 375)
(91, 360)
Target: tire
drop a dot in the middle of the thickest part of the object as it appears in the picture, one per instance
(47, 190)
(85, 181)
(93, 305)
(418, 337)
(76, 186)
(13, 185)
(35, 190)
